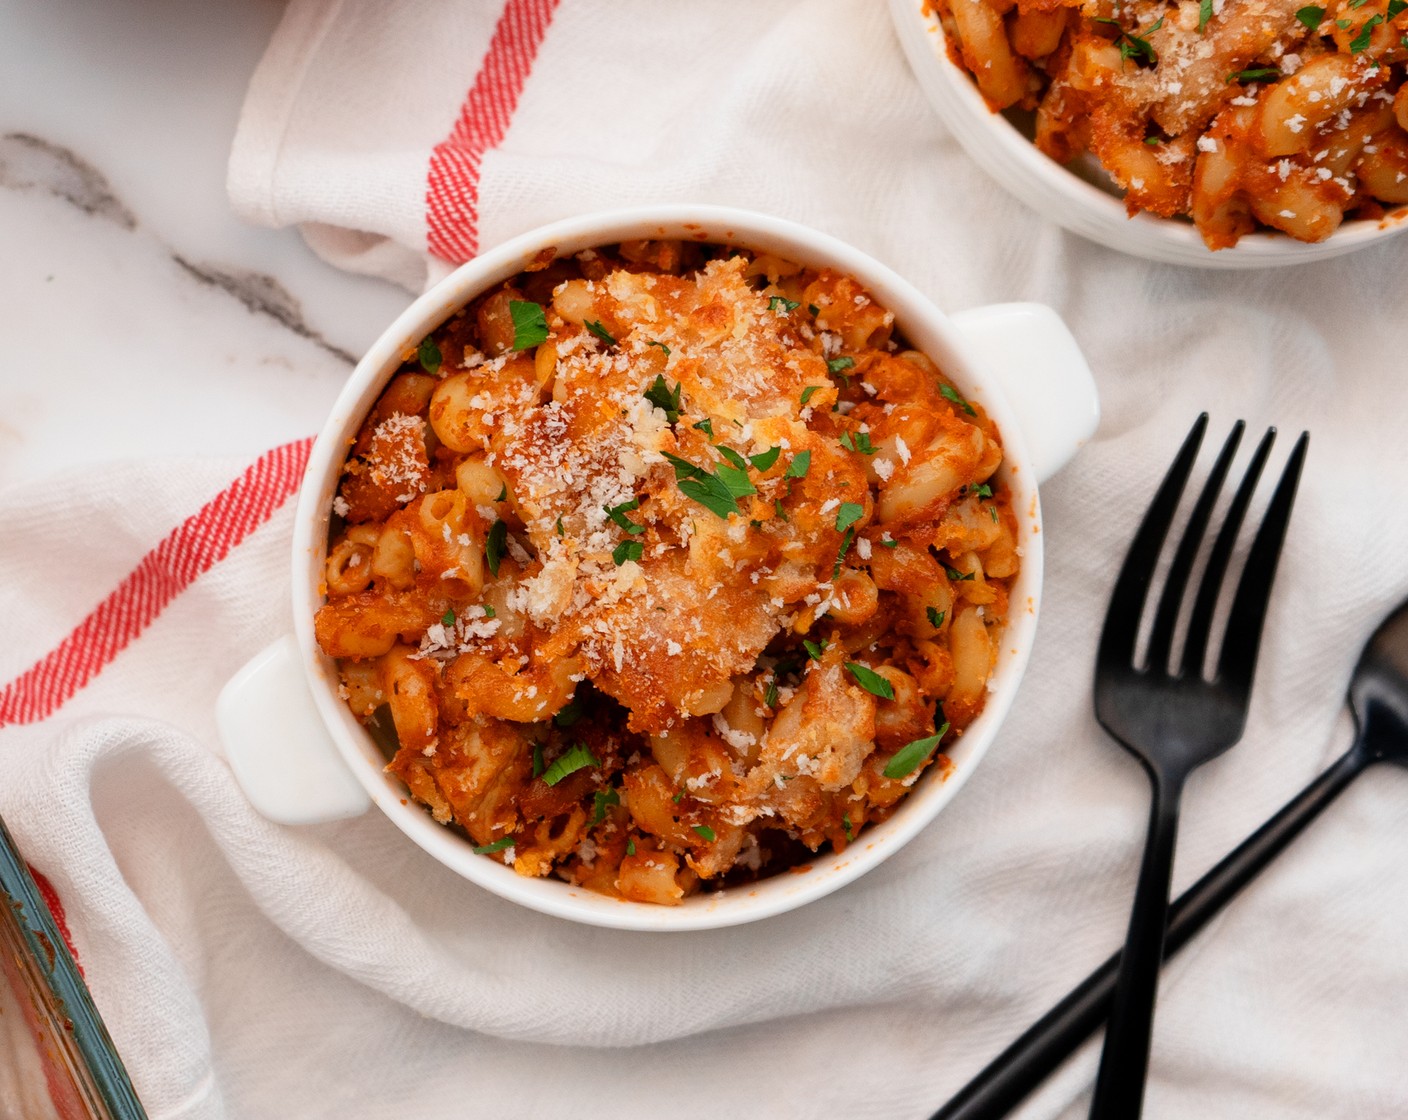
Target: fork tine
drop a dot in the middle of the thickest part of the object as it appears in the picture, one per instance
(1161, 637)
(1132, 587)
(1195, 646)
(1237, 663)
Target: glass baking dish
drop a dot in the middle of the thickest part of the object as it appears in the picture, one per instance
(57, 1061)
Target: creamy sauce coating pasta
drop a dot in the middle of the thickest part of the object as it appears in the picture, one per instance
(670, 564)
(1240, 114)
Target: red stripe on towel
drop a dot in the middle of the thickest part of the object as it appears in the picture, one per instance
(200, 542)
(452, 186)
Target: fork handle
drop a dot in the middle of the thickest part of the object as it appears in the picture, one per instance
(1124, 1062)
(1033, 1057)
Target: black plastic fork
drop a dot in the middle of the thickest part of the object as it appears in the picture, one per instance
(1174, 718)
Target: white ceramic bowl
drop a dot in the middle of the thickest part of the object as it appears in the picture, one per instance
(302, 757)
(1081, 198)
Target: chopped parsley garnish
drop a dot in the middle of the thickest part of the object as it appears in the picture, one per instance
(661, 345)
(848, 515)
(489, 611)
(618, 515)
(859, 441)
(911, 756)
(568, 714)
(601, 332)
(777, 508)
(448, 618)
(846, 827)
(494, 546)
(797, 468)
(891, 544)
(982, 490)
(734, 457)
(814, 649)
(429, 355)
(1357, 3)
(560, 530)
(814, 310)
(1361, 41)
(870, 680)
(706, 426)
(602, 800)
(1152, 141)
(706, 832)
(770, 697)
(949, 393)
(496, 846)
(1343, 24)
(1395, 7)
(538, 758)
(807, 393)
(766, 459)
(786, 306)
(717, 492)
(664, 398)
(993, 510)
(1311, 16)
(575, 758)
(627, 550)
(630, 847)
(936, 617)
(836, 365)
(679, 795)
(841, 555)
(503, 492)
(1260, 74)
(955, 574)
(530, 324)
(1204, 14)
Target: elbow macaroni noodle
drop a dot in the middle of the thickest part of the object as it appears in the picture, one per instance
(1241, 114)
(668, 564)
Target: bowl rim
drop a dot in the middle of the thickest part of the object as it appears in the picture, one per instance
(928, 328)
(996, 145)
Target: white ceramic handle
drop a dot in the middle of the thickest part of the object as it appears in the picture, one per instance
(278, 745)
(1029, 349)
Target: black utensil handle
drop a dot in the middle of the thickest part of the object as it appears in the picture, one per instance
(1124, 1060)
(1014, 1073)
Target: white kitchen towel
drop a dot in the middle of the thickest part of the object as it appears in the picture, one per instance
(252, 970)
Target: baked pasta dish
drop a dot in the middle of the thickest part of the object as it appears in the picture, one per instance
(1240, 114)
(670, 564)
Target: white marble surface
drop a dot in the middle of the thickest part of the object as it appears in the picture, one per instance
(141, 317)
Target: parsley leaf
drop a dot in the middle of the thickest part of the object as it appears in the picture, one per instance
(870, 680)
(735, 480)
(957, 576)
(575, 758)
(1260, 74)
(448, 618)
(496, 846)
(949, 393)
(846, 827)
(859, 441)
(1311, 16)
(530, 324)
(560, 530)
(568, 714)
(706, 426)
(627, 550)
(814, 649)
(602, 800)
(503, 492)
(1204, 14)
(770, 698)
(911, 756)
(601, 332)
(841, 555)
(1395, 7)
(797, 468)
(982, 490)
(618, 516)
(709, 490)
(734, 457)
(429, 355)
(836, 365)
(848, 515)
(662, 346)
(1361, 41)
(766, 459)
(494, 546)
(664, 398)
(787, 306)
(706, 832)
(537, 759)
(630, 847)
(807, 393)
(489, 611)
(936, 617)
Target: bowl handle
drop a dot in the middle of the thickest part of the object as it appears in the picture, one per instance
(278, 746)
(1043, 374)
